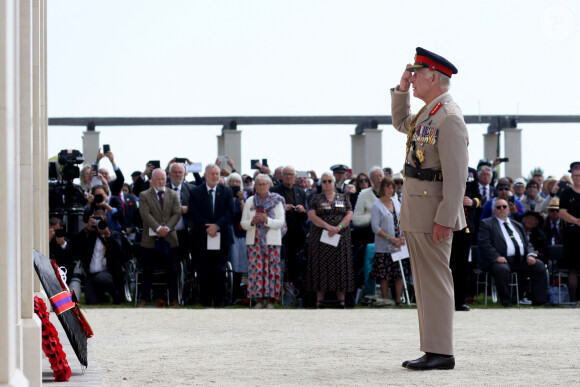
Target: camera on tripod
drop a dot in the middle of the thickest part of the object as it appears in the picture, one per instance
(66, 200)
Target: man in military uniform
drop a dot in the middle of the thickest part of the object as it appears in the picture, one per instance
(435, 174)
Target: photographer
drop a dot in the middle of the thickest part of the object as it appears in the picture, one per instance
(100, 252)
(112, 207)
(62, 253)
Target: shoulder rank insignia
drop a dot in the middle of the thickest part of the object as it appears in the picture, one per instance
(449, 109)
(435, 108)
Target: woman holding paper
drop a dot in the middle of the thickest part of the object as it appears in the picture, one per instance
(329, 247)
(263, 219)
(385, 224)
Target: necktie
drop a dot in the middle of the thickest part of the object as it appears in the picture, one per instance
(555, 234)
(516, 244)
(176, 190)
(160, 194)
(484, 195)
(122, 202)
(211, 200)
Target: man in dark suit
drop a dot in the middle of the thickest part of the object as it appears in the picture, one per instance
(461, 244)
(553, 226)
(211, 208)
(160, 210)
(296, 218)
(185, 225)
(130, 210)
(504, 248)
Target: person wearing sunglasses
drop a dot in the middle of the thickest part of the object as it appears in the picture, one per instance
(570, 213)
(330, 267)
(504, 192)
(503, 248)
(361, 182)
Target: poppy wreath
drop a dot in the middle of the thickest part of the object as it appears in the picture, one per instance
(51, 344)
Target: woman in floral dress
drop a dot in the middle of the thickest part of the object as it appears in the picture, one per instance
(263, 219)
(330, 267)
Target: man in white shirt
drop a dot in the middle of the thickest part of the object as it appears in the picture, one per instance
(504, 248)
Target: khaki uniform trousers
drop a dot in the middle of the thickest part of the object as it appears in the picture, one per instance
(433, 290)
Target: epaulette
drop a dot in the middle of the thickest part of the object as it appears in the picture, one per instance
(448, 108)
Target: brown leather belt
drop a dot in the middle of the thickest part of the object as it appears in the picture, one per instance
(423, 174)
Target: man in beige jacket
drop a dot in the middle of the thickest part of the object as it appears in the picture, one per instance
(435, 173)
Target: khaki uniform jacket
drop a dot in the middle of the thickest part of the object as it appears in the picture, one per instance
(443, 138)
(154, 216)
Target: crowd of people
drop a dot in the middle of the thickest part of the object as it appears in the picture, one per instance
(284, 226)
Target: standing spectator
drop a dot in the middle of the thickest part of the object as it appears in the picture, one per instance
(504, 248)
(486, 192)
(296, 218)
(185, 225)
(211, 206)
(263, 220)
(519, 188)
(116, 185)
(532, 201)
(238, 254)
(363, 181)
(398, 179)
(86, 177)
(329, 267)
(100, 252)
(160, 210)
(130, 210)
(385, 214)
(461, 244)
(504, 191)
(554, 226)
(141, 182)
(362, 211)
(388, 171)
(570, 213)
(339, 172)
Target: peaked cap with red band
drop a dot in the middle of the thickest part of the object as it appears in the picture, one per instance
(427, 59)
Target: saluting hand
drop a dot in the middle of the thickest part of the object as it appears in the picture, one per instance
(405, 83)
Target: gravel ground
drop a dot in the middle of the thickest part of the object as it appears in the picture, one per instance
(173, 347)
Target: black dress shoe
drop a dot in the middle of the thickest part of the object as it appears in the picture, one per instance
(408, 361)
(432, 361)
(462, 308)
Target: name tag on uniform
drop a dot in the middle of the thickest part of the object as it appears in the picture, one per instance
(426, 134)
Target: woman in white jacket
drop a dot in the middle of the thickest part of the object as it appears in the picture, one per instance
(263, 219)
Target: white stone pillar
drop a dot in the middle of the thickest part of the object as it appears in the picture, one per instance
(90, 146)
(10, 296)
(230, 144)
(373, 148)
(513, 150)
(31, 329)
(490, 145)
(366, 150)
(357, 151)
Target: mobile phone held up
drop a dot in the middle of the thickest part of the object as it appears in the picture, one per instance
(106, 148)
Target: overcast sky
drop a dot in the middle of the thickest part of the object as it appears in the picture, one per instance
(297, 57)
